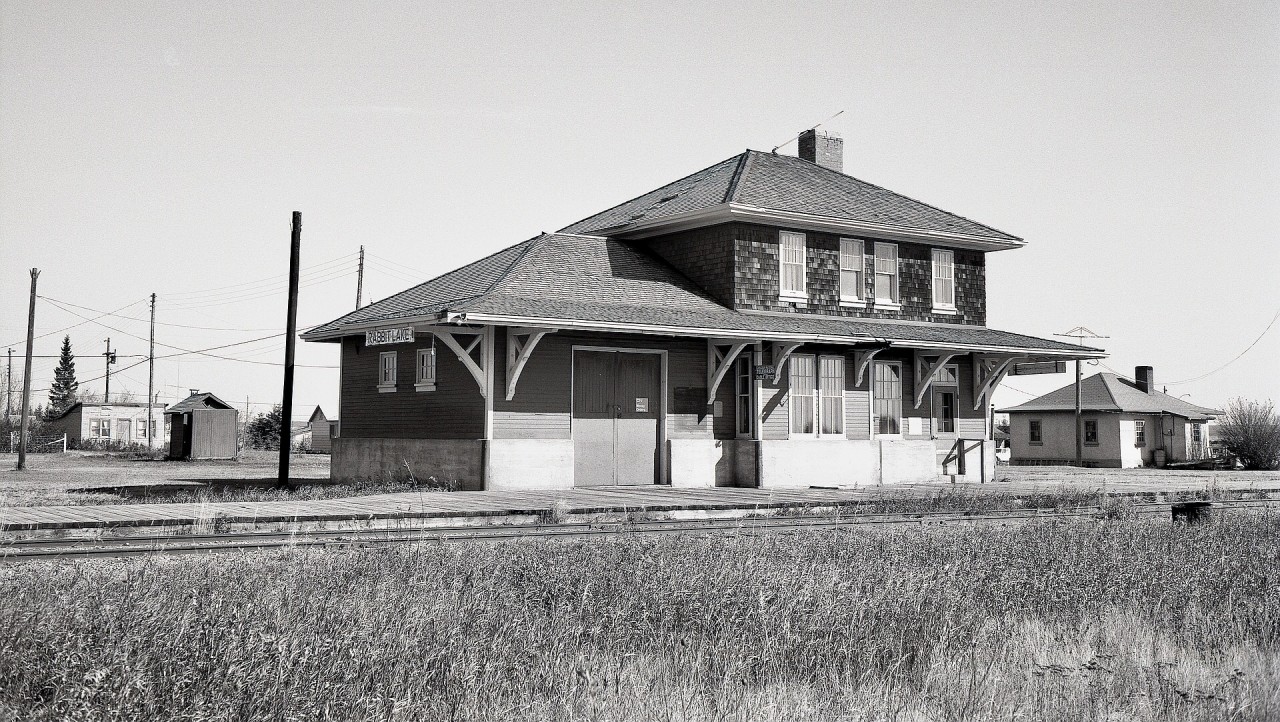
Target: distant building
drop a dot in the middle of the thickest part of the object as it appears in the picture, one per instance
(202, 426)
(321, 430)
(118, 423)
(1126, 424)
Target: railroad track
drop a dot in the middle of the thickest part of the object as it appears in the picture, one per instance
(128, 546)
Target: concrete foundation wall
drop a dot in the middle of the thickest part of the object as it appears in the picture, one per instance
(458, 460)
(791, 464)
(703, 463)
(908, 460)
(530, 464)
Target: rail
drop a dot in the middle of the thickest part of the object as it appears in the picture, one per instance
(41, 549)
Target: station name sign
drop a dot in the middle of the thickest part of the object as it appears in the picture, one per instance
(384, 336)
(1038, 367)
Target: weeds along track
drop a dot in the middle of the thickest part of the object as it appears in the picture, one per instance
(14, 551)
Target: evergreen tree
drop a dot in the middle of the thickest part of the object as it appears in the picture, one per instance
(62, 394)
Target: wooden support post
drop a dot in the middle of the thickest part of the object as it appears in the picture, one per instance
(291, 331)
(1079, 431)
(24, 423)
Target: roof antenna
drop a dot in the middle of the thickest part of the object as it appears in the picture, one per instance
(797, 135)
(1079, 333)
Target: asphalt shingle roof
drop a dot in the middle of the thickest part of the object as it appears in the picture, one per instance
(595, 279)
(204, 400)
(1109, 392)
(784, 183)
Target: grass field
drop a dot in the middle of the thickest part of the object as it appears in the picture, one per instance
(1122, 620)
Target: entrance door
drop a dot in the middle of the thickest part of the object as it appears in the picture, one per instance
(124, 429)
(616, 417)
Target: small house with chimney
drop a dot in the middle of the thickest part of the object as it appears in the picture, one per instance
(1124, 424)
(767, 321)
(114, 424)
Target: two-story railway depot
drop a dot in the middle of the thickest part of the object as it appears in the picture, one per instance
(767, 321)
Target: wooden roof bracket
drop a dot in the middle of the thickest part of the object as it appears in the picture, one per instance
(464, 354)
(925, 372)
(718, 363)
(779, 352)
(988, 371)
(862, 360)
(520, 344)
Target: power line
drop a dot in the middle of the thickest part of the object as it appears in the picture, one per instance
(218, 290)
(1237, 358)
(256, 294)
(77, 325)
(158, 323)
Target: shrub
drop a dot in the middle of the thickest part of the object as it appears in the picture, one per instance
(1251, 431)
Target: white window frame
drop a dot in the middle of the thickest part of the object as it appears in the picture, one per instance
(1140, 433)
(95, 428)
(853, 271)
(894, 301)
(425, 369)
(104, 428)
(902, 390)
(387, 372)
(817, 398)
(944, 277)
(825, 398)
(793, 294)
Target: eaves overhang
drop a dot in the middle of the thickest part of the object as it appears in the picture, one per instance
(727, 212)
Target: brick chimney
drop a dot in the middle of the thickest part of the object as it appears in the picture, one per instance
(825, 149)
(1145, 377)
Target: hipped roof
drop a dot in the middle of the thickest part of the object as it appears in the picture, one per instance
(1109, 392)
(203, 400)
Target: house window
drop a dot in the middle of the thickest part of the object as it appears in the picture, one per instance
(1196, 434)
(1091, 431)
(831, 395)
(1139, 433)
(886, 274)
(142, 428)
(945, 387)
(944, 284)
(851, 269)
(802, 394)
(425, 379)
(1035, 436)
(817, 395)
(742, 397)
(95, 428)
(791, 262)
(887, 380)
(387, 371)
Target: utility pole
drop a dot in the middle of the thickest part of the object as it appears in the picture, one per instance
(8, 388)
(291, 329)
(1079, 333)
(111, 358)
(360, 278)
(151, 377)
(26, 374)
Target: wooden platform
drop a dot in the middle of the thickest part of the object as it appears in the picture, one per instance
(481, 504)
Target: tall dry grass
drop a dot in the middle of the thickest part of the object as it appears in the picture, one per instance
(1119, 620)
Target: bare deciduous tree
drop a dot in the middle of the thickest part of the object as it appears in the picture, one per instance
(1251, 431)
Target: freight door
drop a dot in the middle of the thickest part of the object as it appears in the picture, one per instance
(616, 417)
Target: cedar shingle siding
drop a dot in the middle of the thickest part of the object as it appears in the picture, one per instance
(737, 263)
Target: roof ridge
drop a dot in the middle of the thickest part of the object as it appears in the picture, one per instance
(535, 243)
(896, 193)
(1106, 385)
(648, 192)
(732, 190)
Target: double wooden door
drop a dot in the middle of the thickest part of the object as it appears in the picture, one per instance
(617, 417)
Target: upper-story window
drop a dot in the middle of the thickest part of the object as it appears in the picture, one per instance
(851, 269)
(886, 274)
(791, 262)
(944, 283)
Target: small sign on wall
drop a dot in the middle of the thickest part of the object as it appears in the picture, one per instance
(765, 373)
(642, 405)
(384, 336)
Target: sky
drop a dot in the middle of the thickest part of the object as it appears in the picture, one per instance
(162, 147)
